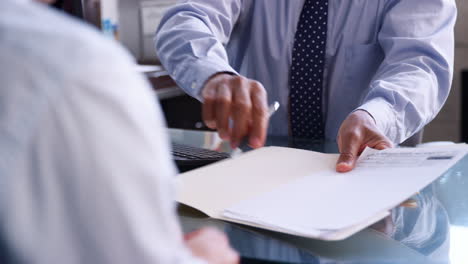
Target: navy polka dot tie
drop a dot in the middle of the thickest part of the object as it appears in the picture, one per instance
(306, 76)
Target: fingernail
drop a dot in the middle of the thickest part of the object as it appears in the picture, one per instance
(210, 124)
(255, 143)
(343, 166)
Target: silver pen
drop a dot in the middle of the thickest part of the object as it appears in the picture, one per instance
(244, 142)
(271, 110)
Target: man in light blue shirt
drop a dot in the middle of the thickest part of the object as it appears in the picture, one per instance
(386, 70)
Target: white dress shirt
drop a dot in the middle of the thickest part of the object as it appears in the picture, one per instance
(392, 58)
(84, 159)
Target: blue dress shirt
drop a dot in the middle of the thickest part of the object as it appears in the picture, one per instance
(391, 58)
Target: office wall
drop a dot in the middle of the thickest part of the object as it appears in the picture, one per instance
(138, 22)
(447, 125)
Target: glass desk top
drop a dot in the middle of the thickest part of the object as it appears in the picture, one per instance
(435, 230)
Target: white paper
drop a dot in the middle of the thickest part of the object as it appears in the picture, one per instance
(213, 188)
(410, 158)
(331, 201)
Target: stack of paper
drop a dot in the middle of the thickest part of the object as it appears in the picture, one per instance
(299, 192)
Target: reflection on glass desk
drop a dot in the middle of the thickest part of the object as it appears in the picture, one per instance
(435, 230)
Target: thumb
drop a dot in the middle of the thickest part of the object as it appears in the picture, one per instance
(349, 151)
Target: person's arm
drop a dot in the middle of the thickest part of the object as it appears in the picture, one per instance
(414, 80)
(190, 41)
(96, 183)
(190, 44)
(411, 84)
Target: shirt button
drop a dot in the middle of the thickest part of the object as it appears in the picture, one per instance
(194, 85)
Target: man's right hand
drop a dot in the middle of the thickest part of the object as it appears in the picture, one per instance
(244, 101)
(212, 246)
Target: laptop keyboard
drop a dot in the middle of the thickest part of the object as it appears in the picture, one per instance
(188, 157)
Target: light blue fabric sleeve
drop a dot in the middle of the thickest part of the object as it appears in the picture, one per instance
(191, 40)
(414, 80)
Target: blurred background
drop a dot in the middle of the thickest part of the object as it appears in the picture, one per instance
(452, 122)
(133, 23)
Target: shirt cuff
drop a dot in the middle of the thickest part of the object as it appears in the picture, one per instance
(384, 116)
(192, 76)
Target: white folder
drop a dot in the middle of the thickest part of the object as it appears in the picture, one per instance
(299, 192)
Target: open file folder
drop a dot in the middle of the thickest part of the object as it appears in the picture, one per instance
(299, 192)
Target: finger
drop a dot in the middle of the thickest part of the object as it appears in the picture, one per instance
(216, 235)
(383, 145)
(259, 116)
(240, 112)
(232, 257)
(209, 99)
(222, 110)
(362, 148)
(379, 141)
(192, 234)
(349, 150)
(339, 141)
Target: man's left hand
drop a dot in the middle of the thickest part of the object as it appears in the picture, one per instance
(357, 132)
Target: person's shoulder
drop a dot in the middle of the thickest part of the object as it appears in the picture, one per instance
(55, 62)
(47, 39)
